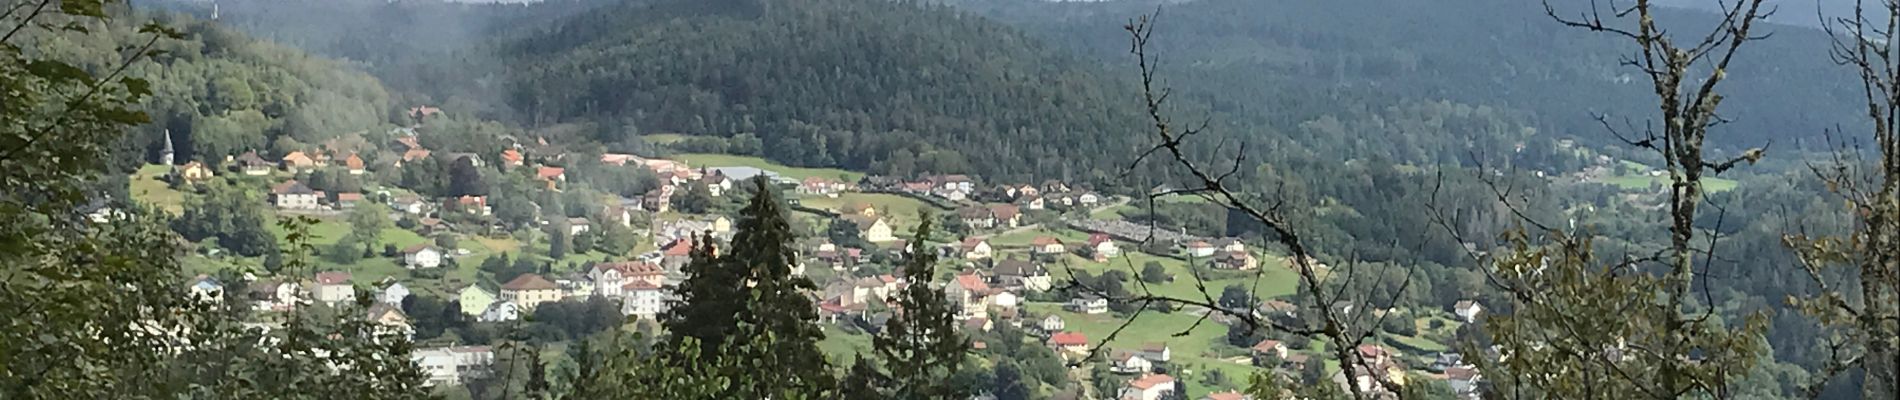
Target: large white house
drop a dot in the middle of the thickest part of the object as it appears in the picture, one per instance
(644, 299)
(421, 256)
(448, 365)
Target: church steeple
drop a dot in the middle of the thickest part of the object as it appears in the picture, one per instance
(165, 155)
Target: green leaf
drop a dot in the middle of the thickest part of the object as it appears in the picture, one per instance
(137, 87)
(86, 8)
(58, 72)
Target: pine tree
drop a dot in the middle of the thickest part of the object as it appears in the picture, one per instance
(920, 346)
(750, 294)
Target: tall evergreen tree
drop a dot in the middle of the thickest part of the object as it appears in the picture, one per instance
(920, 346)
(749, 292)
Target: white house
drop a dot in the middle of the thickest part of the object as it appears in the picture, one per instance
(1467, 310)
(501, 311)
(393, 294)
(1052, 323)
(334, 287)
(1087, 305)
(1004, 299)
(421, 256)
(644, 300)
(1148, 387)
(1030, 275)
(293, 195)
(1128, 362)
(1155, 351)
(474, 300)
(969, 292)
(206, 288)
(447, 365)
(975, 249)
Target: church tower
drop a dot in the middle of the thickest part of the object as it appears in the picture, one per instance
(165, 155)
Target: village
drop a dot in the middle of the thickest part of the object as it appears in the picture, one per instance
(1012, 252)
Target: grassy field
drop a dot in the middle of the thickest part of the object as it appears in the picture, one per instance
(1644, 182)
(1272, 280)
(1194, 353)
(841, 346)
(663, 138)
(1070, 237)
(728, 160)
(900, 211)
(149, 187)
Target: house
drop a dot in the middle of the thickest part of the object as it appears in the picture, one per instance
(1087, 304)
(1226, 396)
(977, 217)
(1069, 343)
(1047, 245)
(513, 158)
(298, 161)
(1029, 275)
(1005, 299)
(611, 277)
(1155, 351)
(658, 200)
(947, 184)
(1233, 260)
(1051, 323)
(1200, 248)
(390, 319)
(1148, 387)
(477, 205)
(975, 248)
(1278, 309)
(413, 155)
(969, 292)
(1088, 199)
(529, 290)
(644, 299)
(716, 182)
(676, 253)
(272, 295)
(474, 300)
(421, 256)
(448, 366)
(577, 225)
(1267, 349)
(293, 195)
(1006, 215)
(1102, 247)
(1230, 245)
(872, 229)
(410, 204)
(334, 287)
(1128, 362)
(250, 164)
(1031, 203)
(354, 164)
(820, 186)
(550, 175)
(1464, 381)
(501, 311)
(348, 200)
(193, 172)
(393, 294)
(421, 112)
(1467, 310)
(206, 288)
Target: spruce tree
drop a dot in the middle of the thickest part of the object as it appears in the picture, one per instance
(920, 345)
(748, 293)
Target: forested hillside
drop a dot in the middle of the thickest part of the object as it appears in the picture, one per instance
(220, 94)
(880, 86)
(1290, 66)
